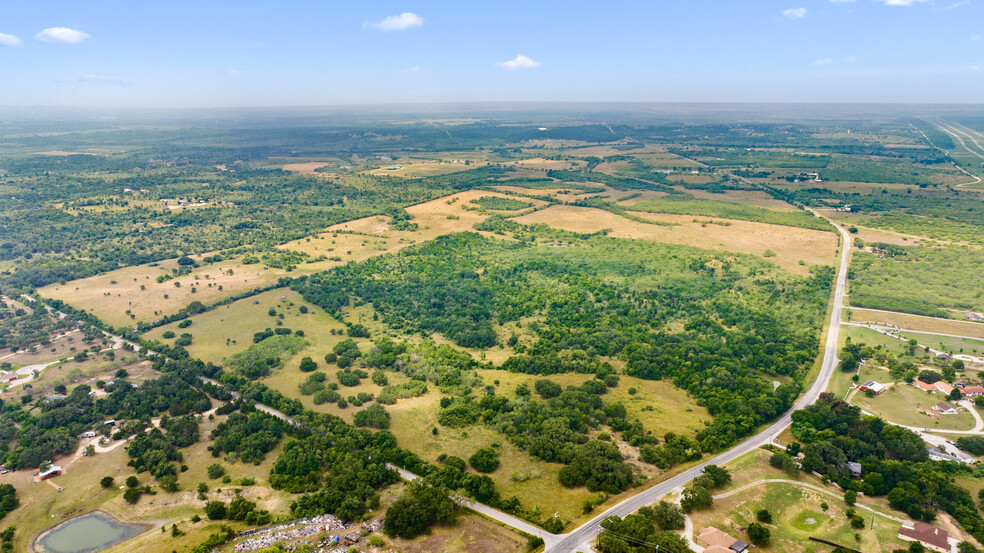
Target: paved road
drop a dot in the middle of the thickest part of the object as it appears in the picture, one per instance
(580, 538)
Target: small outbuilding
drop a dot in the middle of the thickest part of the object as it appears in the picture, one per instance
(944, 408)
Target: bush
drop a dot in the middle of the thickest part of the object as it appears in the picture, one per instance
(132, 495)
(215, 470)
(132, 482)
(374, 416)
(106, 482)
(850, 497)
(168, 334)
(484, 460)
(308, 365)
(358, 331)
(763, 515)
(547, 388)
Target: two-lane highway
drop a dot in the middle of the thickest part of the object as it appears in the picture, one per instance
(580, 538)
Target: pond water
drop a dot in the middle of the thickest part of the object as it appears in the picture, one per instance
(88, 533)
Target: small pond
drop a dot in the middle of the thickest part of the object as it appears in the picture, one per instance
(88, 533)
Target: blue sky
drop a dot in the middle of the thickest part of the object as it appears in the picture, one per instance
(302, 52)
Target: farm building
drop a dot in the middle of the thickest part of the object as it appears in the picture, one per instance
(945, 408)
(927, 534)
(972, 391)
(923, 386)
(944, 387)
(53, 471)
(873, 387)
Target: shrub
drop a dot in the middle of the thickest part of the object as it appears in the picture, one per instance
(763, 515)
(106, 482)
(374, 416)
(215, 470)
(547, 388)
(484, 460)
(308, 365)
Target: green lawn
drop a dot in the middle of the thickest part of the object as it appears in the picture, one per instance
(797, 516)
(907, 405)
(969, 346)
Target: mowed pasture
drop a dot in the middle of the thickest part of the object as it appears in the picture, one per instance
(423, 169)
(786, 246)
(905, 321)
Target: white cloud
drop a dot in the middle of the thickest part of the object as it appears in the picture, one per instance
(958, 5)
(850, 59)
(103, 79)
(9, 40)
(794, 13)
(975, 67)
(519, 62)
(63, 35)
(901, 2)
(841, 1)
(413, 69)
(232, 72)
(400, 22)
(976, 37)
(824, 61)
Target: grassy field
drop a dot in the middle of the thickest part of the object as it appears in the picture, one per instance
(789, 245)
(969, 346)
(797, 516)
(228, 329)
(910, 406)
(116, 295)
(905, 321)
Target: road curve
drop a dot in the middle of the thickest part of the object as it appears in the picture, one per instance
(580, 538)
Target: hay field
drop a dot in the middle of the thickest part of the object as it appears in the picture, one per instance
(789, 244)
(425, 169)
(375, 236)
(306, 167)
(917, 323)
(111, 295)
(755, 198)
(541, 164)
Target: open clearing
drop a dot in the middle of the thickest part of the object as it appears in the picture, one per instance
(790, 245)
(116, 295)
(918, 323)
(424, 169)
(305, 168)
(373, 235)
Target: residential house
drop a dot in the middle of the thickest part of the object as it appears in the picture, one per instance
(972, 391)
(55, 397)
(854, 468)
(945, 408)
(873, 387)
(923, 386)
(717, 541)
(927, 534)
(944, 387)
